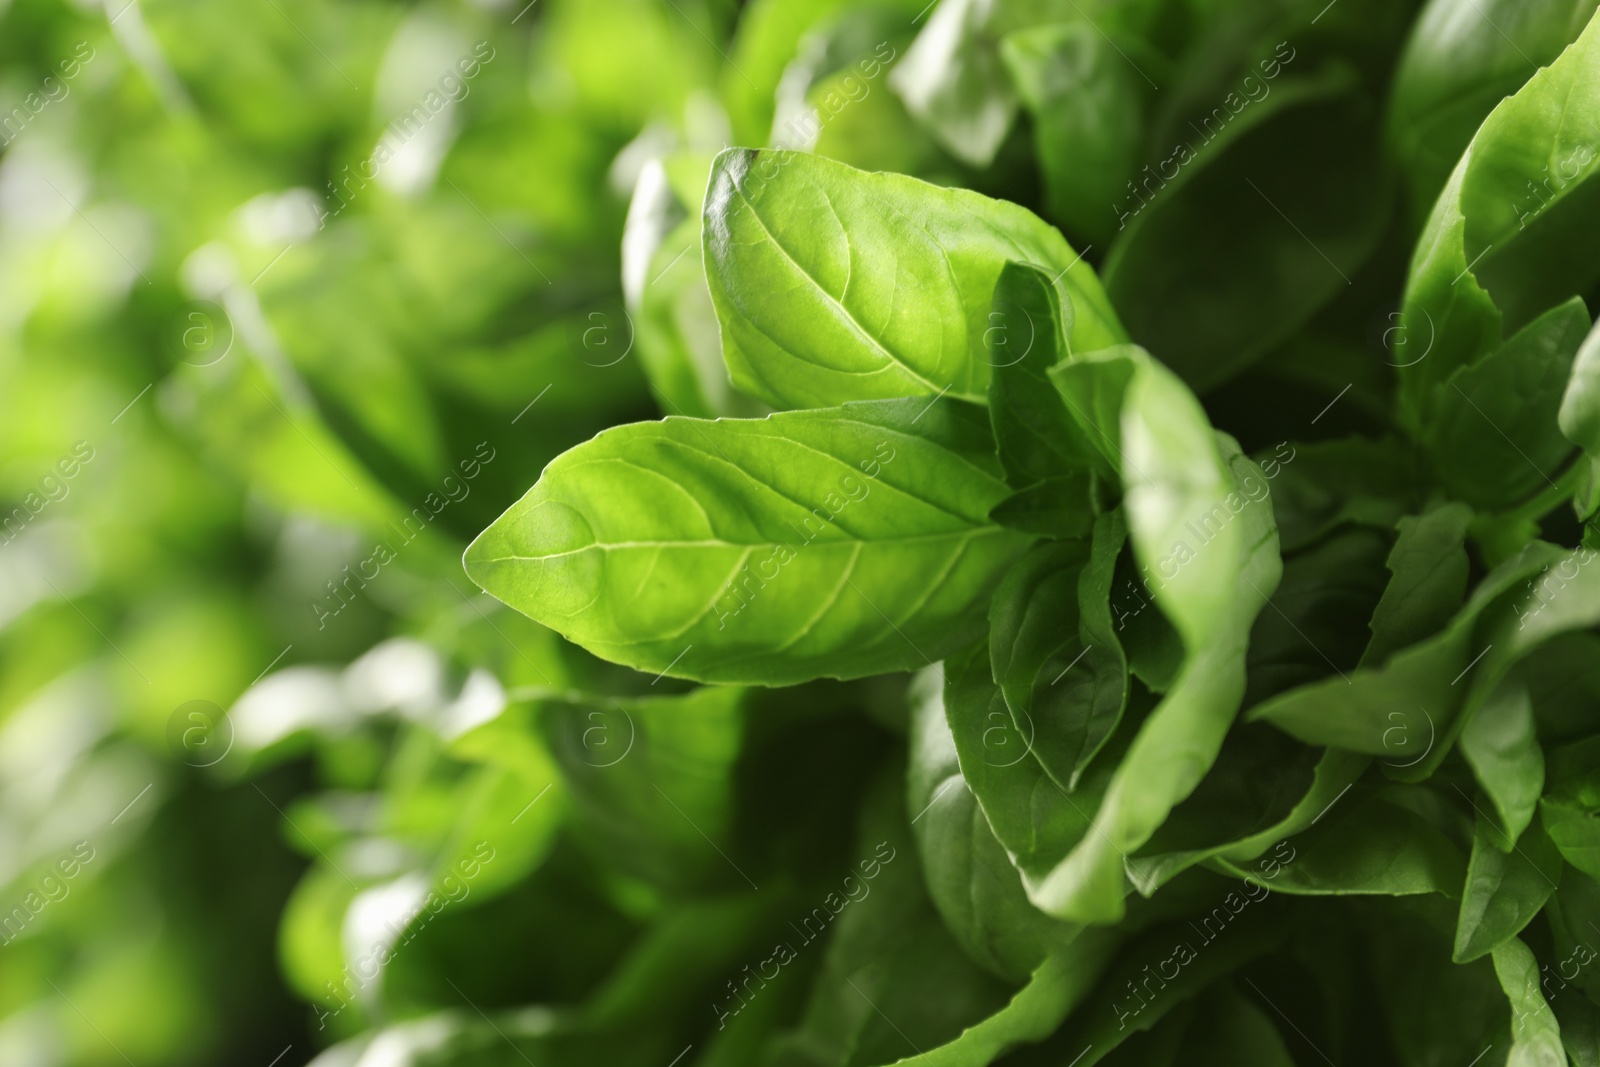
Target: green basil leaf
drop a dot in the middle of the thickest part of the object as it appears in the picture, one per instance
(1579, 416)
(1037, 438)
(1428, 565)
(1262, 789)
(840, 542)
(1033, 816)
(1060, 507)
(1550, 122)
(1054, 653)
(1059, 985)
(1163, 1045)
(970, 878)
(1563, 676)
(1335, 772)
(893, 981)
(834, 76)
(1570, 809)
(1463, 58)
(835, 100)
(1499, 742)
(766, 38)
(1503, 892)
(1168, 966)
(1236, 238)
(1407, 710)
(1437, 1011)
(1370, 846)
(1315, 621)
(1183, 486)
(1576, 831)
(1327, 484)
(954, 81)
(1563, 596)
(871, 131)
(1505, 240)
(1574, 914)
(1535, 1035)
(620, 758)
(1155, 651)
(1194, 519)
(1493, 435)
(1088, 103)
(834, 284)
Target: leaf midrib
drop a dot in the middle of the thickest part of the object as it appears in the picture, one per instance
(976, 529)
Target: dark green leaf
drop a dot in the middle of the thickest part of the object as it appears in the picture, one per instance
(1168, 966)
(1054, 653)
(970, 878)
(1243, 239)
(1263, 789)
(651, 778)
(1503, 892)
(1037, 438)
(1571, 805)
(1579, 1020)
(1429, 568)
(1315, 621)
(1463, 57)
(1375, 845)
(1328, 484)
(1492, 433)
(893, 981)
(1088, 102)
(1060, 507)
(1406, 710)
(1574, 916)
(1499, 743)
(1505, 241)
(1437, 1012)
(1231, 1029)
(1184, 492)
(1034, 817)
(1563, 676)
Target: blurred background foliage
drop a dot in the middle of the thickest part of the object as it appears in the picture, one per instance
(285, 282)
(299, 295)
